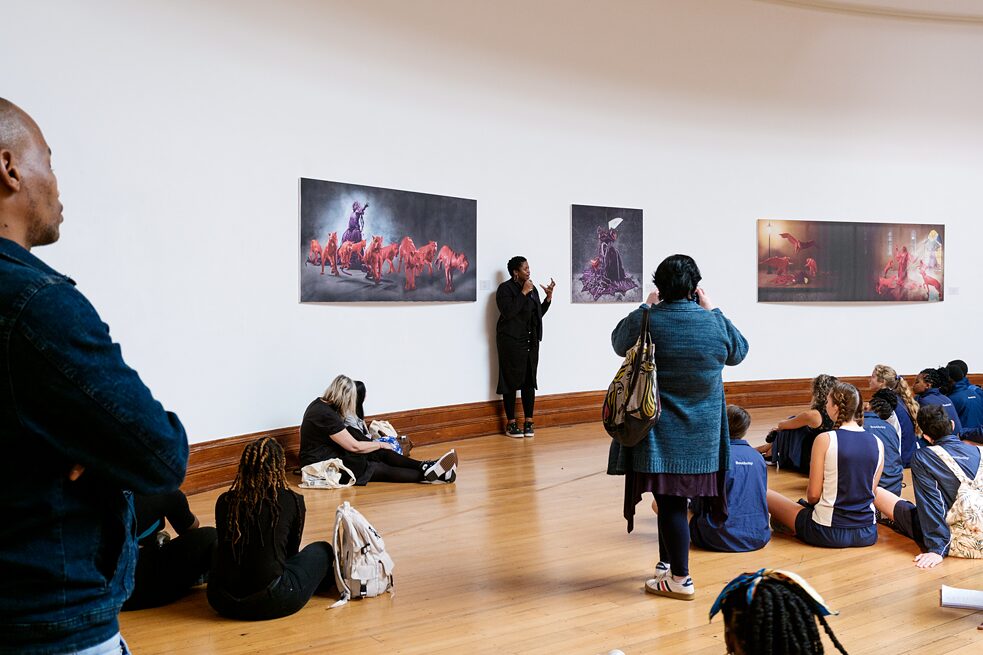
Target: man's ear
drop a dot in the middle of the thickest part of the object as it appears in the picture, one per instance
(9, 175)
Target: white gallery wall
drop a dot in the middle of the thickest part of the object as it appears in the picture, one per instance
(180, 129)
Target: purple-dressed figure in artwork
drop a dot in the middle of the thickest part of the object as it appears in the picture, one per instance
(354, 232)
(605, 274)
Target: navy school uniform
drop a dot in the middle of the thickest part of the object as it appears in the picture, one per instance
(893, 471)
(746, 527)
(968, 400)
(909, 440)
(935, 397)
(935, 492)
(844, 515)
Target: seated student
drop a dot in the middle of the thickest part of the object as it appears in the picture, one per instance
(845, 469)
(325, 434)
(966, 398)
(875, 421)
(168, 568)
(259, 571)
(935, 488)
(746, 527)
(773, 612)
(790, 442)
(886, 383)
(927, 392)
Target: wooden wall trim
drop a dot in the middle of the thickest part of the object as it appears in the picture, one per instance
(213, 464)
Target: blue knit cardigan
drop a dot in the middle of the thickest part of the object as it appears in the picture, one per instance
(692, 346)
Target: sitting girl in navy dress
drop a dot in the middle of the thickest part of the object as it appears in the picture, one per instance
(790, 442)
(846, 466)
(746, 527)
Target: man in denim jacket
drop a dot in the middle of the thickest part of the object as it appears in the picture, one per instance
(79, 431)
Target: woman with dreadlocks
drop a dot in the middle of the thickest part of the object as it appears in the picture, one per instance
(259, 571)
(846, 466)
(772, 612)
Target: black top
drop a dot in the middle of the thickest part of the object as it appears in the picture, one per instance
(152, 510)
(521, 315)
(259, 558)
(321, 420)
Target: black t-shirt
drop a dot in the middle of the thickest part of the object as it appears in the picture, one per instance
(152, 510)
(259, 558)
(321, 420)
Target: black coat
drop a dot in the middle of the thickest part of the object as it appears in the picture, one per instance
(518, 333)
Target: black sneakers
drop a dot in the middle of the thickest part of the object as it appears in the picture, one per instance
(441, 471)
(527, 430)
(512, 430)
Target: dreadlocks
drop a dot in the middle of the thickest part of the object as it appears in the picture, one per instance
(261, 476)
(781, 619)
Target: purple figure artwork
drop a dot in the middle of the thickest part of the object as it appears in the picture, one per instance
(354, 232)
(605, 274)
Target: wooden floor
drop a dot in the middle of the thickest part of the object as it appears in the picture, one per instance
(528, 553)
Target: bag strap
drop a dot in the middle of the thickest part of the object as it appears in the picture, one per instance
(644, 338)
(341, 515)
(951, 463)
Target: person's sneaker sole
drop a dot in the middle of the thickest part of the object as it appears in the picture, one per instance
(661, 588)
(529, 433)
(446, 462)
(515, 435)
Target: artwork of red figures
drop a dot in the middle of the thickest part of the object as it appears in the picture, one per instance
(607, 254)
(358, 244)
(825, 261)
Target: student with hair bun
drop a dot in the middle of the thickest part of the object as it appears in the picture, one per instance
(886, 383)
(875, 421)
(846, 466)
(790, 441)
(927, 388)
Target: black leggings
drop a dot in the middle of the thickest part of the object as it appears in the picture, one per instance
(388, 466)
(528, 402)
(308, 572)
(166, 573)
(673, 533)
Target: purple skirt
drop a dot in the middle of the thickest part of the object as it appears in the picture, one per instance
(685, 485)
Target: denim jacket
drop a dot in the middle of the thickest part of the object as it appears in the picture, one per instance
(67, 550)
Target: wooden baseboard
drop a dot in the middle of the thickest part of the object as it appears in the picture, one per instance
(213, 464)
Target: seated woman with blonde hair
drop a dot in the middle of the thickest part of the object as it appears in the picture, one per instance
(324, 435)
(846, 466)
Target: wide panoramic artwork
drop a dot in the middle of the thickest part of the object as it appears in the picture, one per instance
(823, 261)
(607, 254)
(364, 244)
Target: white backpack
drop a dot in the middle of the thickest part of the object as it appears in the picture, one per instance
(965, 517)
(362, 568)
(326, 475)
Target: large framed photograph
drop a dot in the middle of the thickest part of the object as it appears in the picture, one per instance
(813, 261)
(369, 244)
(607, 254)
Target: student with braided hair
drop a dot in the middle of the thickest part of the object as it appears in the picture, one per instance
(259, 571)
(886, 382)
(846, 466)
(773, 612)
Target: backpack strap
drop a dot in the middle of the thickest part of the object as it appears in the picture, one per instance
(346, 593)
(979, 470)
(946, 458)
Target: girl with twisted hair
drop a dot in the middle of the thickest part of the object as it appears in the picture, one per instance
(846, 466)
(772, 612)
(887, 384)
(790, 442)
(259, 571)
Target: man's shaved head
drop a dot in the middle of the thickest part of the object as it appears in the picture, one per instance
(30, 211)
(15, 126)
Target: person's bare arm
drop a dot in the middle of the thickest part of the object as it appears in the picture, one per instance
(817, 466)
(809, 418)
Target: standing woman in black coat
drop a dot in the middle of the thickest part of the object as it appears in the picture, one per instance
(519, 331)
